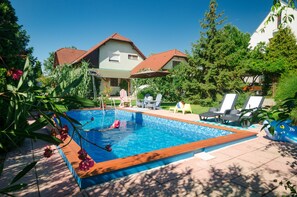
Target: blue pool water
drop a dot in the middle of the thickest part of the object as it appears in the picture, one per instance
(138, 133)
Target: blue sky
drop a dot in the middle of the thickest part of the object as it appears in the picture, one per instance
(153, 25)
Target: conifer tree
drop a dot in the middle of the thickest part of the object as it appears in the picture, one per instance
(216, 58)
(281, 56)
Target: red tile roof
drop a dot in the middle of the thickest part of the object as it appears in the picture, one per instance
(67, 55)
(114, 36)
(157, 61)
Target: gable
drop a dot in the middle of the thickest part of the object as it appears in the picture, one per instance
(117, 55)
(114, 37)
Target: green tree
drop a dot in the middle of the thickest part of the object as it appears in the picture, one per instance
(48, 63)
(13, 39)
(279, 9)
(213, 68)
(37, 69)
(281, 56)
(63, 76)
(201, 62)
(215, 64)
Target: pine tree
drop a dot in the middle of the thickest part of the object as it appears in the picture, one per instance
(281, 56)
(216, 59)
(200, 86)
(283, 46)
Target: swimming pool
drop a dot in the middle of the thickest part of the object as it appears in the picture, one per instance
(142, 142)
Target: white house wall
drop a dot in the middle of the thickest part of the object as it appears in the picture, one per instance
(123, 49)
(169, 66)
(271, 27)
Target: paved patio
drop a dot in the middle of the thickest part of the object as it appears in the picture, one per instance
(251, 168)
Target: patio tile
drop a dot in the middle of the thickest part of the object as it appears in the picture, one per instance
(258, 157)
(263, 179)
(184, 187)
(264, 140)
(234, 168)
(138, 182)
(254, 143)
(237, 150)
(230, 189)
(281, 190)
(281, 169)
(208, 178)
(111, 189)
(219, 158)
(193, 164)
(155, 191)
(168, 173)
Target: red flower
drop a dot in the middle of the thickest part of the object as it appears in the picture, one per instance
(65, 129)
(82, 154)
(108, 148)
(15, 73)
(64, 132)
(86, 162)
(48, 152)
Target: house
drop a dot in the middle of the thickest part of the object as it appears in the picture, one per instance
(272, 27)
(116, 60)
(111, 61)
(160, 62)
(269, 30)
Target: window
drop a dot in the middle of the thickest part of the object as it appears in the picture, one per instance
(114, 82)
(114, 57)
(133, 57)
(175, 63)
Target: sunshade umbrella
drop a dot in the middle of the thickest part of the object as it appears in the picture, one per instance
(149, 74)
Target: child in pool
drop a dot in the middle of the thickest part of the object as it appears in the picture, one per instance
(115, 125)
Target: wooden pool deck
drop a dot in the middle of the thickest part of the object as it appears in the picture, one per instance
(249, 168)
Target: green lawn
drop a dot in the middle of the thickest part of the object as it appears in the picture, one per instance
(197, 109)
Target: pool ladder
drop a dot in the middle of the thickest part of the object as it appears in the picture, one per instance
(112, 103)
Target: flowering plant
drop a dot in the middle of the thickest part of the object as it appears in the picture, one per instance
(21, 100)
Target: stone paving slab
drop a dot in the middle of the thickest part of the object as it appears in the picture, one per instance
(245, 169)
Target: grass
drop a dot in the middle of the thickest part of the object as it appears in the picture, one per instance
(197, 109)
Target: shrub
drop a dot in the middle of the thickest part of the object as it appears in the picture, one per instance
(287, 86)
(144, 91)
(123, 84)
(241, 99)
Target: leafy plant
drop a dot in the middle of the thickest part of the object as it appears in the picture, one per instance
(280, 112)
(63, 76)
(24, 100)
(286, 86)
